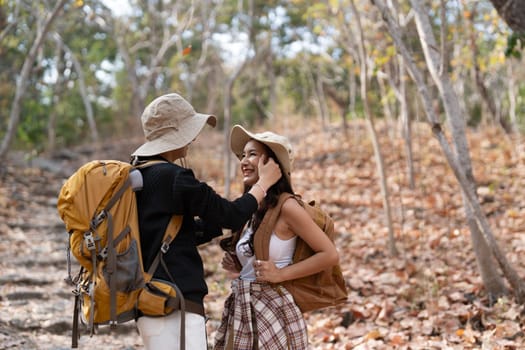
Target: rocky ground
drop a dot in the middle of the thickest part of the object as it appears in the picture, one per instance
(35, 301)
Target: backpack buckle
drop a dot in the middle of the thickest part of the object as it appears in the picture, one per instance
(103, 254)
(99, 218)
(89, 240)
(164, 247)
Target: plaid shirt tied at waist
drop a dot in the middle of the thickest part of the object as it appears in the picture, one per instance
(260, 316)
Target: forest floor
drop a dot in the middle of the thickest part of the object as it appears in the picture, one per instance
(429, 296)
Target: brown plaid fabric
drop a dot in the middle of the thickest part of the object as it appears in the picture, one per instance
(259, 316)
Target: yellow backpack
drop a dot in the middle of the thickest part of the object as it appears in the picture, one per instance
(98, 206)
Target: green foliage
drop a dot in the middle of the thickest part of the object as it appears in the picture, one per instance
(294, 84)
(31, 133)
(71, 125)
(515, 43)
(520, 108)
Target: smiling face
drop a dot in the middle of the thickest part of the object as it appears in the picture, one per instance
(253, 150)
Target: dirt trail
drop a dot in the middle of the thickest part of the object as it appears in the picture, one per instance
(430, 297)
(36, 302)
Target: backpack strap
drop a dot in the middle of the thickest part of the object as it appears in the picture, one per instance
(261, 238)
(111, 254)
(75, 335)
(146, 163)
(169, 235)
(171, 232)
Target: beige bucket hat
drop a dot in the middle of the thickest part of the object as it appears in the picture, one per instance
(170, 122)
(280, 145)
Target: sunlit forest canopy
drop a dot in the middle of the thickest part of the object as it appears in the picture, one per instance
(100, 62)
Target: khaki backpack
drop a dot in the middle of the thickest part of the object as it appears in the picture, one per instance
(320, 290)
(99, 208)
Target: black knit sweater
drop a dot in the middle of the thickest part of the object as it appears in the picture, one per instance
(173, 190)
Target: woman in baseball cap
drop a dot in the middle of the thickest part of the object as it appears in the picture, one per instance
(170, 125)
(268, 318)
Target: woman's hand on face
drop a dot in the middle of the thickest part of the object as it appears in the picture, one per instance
(269, 172)
(266, 271)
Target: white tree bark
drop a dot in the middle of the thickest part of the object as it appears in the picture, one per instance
(23, 78)
(157, 45)
(512, 92)
(436, 63)
(205, 14)
(227, 124)
(90, 116)
(373, 135)
(12, 24)
(453, 160)
(228, 105)
(407, 123)
(399, 89)
(385, 104)
(58, 87)
(318, 94)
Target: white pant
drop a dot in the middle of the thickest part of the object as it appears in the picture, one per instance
(163, 333)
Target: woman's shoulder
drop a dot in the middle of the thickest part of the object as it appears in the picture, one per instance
(291, 206)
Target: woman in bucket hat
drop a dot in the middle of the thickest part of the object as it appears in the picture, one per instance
(257, 315)
(170, 125)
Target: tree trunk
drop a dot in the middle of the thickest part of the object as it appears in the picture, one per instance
(491, 278)
(385, 104)
(5, 31)
(350, 106)
(486, 97)
(373, 134)
(273, 81)
(57, 92)
(460, 174)
(90, 116)
(407, 123)
(512, 92)
(352, 96)
(137, 104)
(23, 79)
(227, 125)
(318, 91)
(157, 44)
(342, 102)
(459, 43)
(512, 12)
(227, 109)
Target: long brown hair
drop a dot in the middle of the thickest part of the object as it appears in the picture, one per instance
(270, 201)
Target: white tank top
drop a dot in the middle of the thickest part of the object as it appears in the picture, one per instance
(280, 252)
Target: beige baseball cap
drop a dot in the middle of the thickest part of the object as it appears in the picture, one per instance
(170, 122)
(280, 145)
